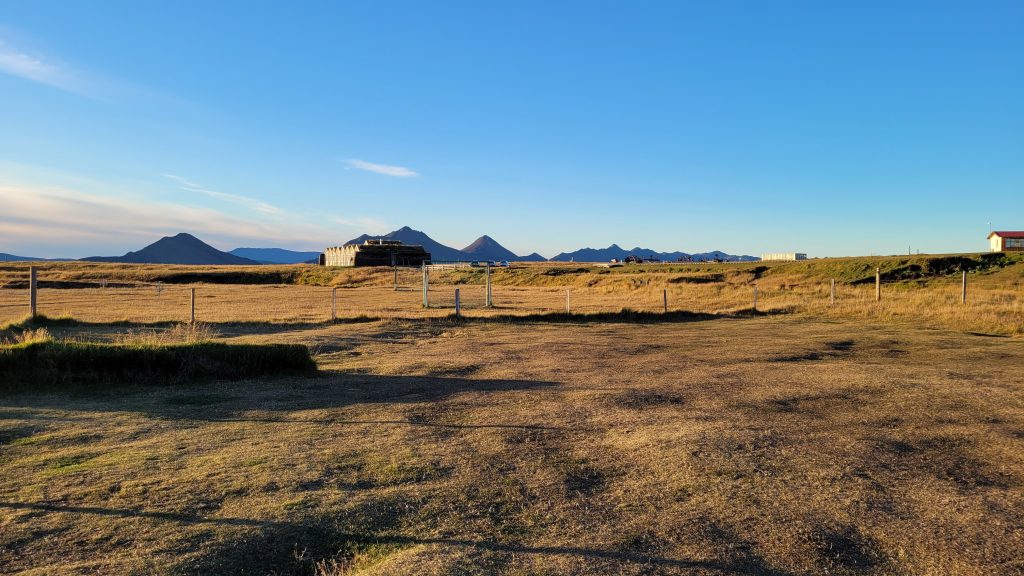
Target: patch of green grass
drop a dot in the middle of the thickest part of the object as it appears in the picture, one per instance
(30, 440)
(72, 462)
(395, 471)
(300, 503)
(15, 435)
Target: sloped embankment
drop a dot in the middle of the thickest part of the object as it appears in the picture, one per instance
(55, 363)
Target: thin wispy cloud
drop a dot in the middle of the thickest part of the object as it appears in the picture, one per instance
(38, 68)
(46, 213)
(385, 169)
(251, 203)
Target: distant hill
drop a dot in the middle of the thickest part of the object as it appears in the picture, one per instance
(486, 248)
(180, 249)
(12, 258)
(616, 252)
(276, 255)
(723, 256)
(534, 257)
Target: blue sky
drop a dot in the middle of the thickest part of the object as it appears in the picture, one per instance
(833, 128)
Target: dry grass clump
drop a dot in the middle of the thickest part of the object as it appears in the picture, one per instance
(180, 333)
(24, 337)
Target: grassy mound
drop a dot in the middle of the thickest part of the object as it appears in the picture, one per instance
(49, 363)
(29, 323)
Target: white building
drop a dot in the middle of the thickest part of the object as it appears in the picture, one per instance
(783, 256)
(1006, 241)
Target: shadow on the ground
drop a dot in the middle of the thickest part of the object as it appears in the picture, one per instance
(270, 401)
(264, 326)
(273, 547)
(625, 315)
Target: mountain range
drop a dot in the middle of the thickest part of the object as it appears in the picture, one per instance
(187, 249)
(483, 248)
(617, 253)
(12, 258)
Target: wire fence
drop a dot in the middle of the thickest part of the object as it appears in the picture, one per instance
(106, 300)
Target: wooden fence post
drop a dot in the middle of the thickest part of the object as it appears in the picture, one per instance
(878, 284)
(396, 278)
(426, 286)
(32, 288)
(963, 289)
(334, 304)
(832, 293)
(192, 306)
(664, 300)
(567, 301)
(458, 307)
(489, 301)
(755, 298)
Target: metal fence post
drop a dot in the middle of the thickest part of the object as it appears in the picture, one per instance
(664, 300)
(334, 304)
(567, 301)
(32, 288)
(396, 278)
(192, 306)
(755, 298)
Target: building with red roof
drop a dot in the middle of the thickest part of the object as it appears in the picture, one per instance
(1006, 241)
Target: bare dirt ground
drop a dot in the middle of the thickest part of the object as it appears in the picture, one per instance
(768, 445)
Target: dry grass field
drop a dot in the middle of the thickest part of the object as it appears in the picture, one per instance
(862, 438)
(918, 290)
